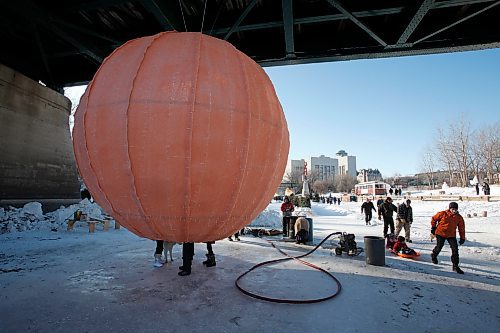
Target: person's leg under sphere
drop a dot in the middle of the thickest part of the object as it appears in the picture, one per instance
(209, 248)
(210, 262)
(187, 258)
(159, 247)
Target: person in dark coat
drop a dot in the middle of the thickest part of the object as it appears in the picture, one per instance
(391, 191)
(386, 210)
(379, 202)
(486, 188)
(444, 226)
(477, 188)
(404, 219)
(367, 207)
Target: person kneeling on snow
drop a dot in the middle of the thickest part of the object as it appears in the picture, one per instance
(401, 247)
(301, 230)
(391, 240)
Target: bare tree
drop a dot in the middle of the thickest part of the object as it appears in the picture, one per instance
(427, 165)
(313, 176)
(345, 183)
(460, 137)
(294, 177)
(478, 160)
(488, 147)
(320, 187)
(445, 153)
(330, 183)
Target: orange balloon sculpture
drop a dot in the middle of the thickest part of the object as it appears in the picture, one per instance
(181, 137)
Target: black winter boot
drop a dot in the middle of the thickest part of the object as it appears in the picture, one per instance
(457, 269)
(185, 268)
(187, 258)
(210, 262)
(434, 258)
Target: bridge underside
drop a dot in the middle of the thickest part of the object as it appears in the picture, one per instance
(63, 42)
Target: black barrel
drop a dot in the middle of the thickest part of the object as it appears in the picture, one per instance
(375, 250)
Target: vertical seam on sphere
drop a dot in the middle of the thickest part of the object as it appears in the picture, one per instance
(90, 87)
(151, 226)
(205, 154)
(190, 143)
(279, 119)
(240, 186)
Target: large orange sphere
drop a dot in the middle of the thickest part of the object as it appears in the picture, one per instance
(181, 137)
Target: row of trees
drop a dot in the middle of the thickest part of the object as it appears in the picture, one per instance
(341, 183)
(463, 153)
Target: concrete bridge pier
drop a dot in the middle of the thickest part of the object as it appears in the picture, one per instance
(36, 154)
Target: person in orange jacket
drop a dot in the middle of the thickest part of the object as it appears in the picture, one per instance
(444, 226)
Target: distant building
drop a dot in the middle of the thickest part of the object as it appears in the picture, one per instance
(368, 175)
(295, 167)
(324, 167)
(347, 164)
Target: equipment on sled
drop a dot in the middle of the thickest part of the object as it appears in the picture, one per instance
(347, 244)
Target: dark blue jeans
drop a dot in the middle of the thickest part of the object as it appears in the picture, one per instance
(454, 248)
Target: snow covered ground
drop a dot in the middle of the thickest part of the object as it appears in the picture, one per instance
(60, 281)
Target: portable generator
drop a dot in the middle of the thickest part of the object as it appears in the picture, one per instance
(347, 243)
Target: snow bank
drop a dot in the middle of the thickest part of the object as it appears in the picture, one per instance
(31, 217)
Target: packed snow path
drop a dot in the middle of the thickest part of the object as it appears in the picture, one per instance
(81, 282)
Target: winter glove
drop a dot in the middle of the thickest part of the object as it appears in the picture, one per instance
(433, 230)
(461, 241)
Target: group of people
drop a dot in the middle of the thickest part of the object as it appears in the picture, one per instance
(486, 188)
(396, 191)
(443, 226)
(331, 200)
(386, 210)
